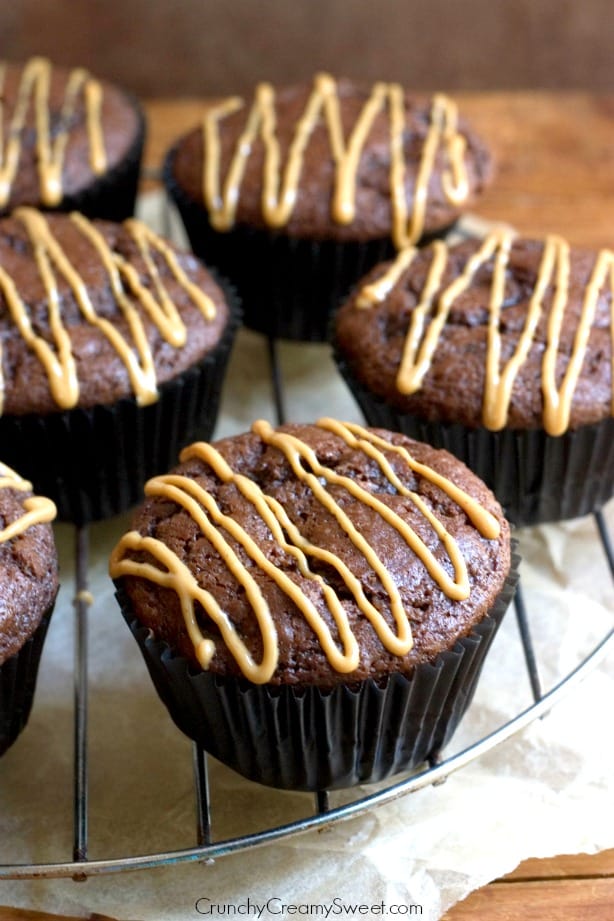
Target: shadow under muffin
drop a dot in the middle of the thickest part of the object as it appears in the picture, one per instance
(305, 723)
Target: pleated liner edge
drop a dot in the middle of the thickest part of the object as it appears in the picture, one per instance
(309, 739)
(112, 196)
(536, 477)
(94, 462)
(18, 676)
(289, 286)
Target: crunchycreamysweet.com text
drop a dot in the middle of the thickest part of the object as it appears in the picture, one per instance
(281, 908)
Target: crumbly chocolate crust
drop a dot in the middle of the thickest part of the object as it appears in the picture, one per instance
(436, 621)
(101, 372)
(28, 576)
(371, 341)
(120, 122)
(311, 216)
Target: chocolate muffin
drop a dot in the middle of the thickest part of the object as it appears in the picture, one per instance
(28, 589)
(69, 141)
(114, 346)
(298, 192)
(500, 351)
(315, 602)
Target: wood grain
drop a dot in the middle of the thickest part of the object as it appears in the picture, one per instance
(25, 914)
(563, 900)
(199, 46)
(566, 888)
(555, 154)
(577, 866)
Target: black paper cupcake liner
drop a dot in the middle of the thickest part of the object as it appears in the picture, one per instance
(94, 462)
(289, 287)
(311, 739)
(536, 477)
(18, 677)
(112, 196)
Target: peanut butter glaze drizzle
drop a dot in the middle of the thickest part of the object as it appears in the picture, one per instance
(33, 90)
(37, 509)
(281, 182)
(170, 572)
(430, 315)
(52, 263)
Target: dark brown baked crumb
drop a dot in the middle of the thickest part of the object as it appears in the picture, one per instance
(436, 621)
(371, 341)
(102, 374)
(120, 124)
(28, 575)
(311, 216)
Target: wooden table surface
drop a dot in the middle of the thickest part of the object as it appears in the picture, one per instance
(555, 155)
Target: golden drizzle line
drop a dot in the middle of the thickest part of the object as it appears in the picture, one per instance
(33, 89)
(52, 262)
(421, 343)
(37, 509)
(343, 656)
(280, 183)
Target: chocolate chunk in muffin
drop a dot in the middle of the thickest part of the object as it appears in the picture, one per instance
(295, 193)
(347, 527)
(70, 141)
(114, 346)
(500, 350)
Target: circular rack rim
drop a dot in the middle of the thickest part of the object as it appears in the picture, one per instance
(82, 867)
(436, 774)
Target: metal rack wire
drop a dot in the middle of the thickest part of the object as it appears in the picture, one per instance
(207, 848)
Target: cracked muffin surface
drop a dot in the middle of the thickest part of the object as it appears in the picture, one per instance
(349, 509)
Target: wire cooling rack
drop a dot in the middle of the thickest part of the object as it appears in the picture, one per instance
(207, 847)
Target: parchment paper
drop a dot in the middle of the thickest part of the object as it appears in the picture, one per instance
(546, 791)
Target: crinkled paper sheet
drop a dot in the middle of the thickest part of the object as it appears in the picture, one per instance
(546, 791)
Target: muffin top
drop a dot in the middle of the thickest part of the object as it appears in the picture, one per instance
(313, 554)
(333, 160)
(91, 312)
(504, 332)
(28, 561)
(60, 131)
